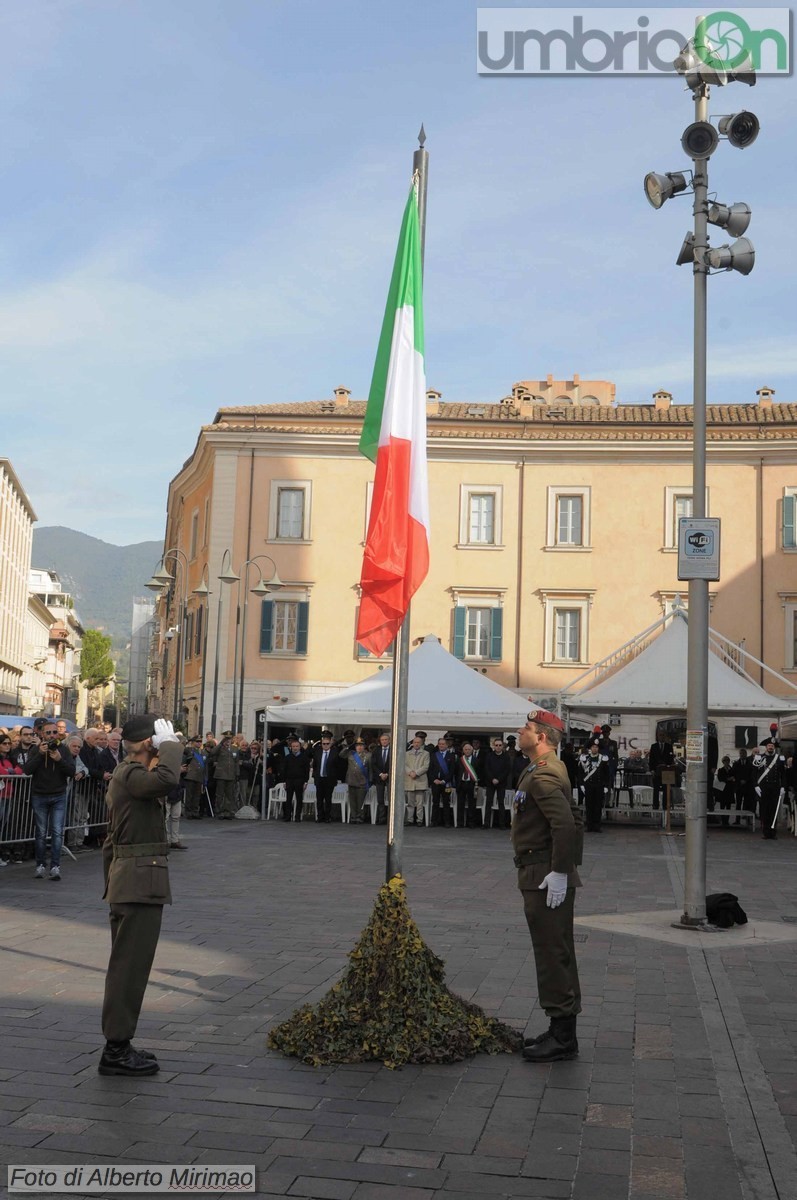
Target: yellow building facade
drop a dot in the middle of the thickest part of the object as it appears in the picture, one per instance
(554, 539)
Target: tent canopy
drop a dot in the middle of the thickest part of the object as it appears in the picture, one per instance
(655, 681)
(443, 693)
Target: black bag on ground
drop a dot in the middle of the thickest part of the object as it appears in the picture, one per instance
(723, 909)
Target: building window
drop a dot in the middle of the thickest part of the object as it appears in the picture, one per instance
(189, 633)
(789, 601)
(567, 635)
(206, 523)
(568, 518)
(283, 626)
(200, 613)
(478, 632)
(789, 523)
(194, 533)
(566, 627)
(480, 516)
(677, 503)
(289, 511)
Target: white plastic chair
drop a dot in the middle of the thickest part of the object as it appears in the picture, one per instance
(276, 800)
(341, 796)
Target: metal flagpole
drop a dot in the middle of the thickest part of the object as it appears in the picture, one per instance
(401, 646)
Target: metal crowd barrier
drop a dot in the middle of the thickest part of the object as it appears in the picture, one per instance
(85, 809)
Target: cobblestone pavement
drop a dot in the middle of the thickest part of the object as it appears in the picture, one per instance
(686, 1085)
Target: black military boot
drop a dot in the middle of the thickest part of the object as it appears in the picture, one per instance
(560, 1042)
(119, 1058)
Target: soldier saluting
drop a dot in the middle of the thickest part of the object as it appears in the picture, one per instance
(135, 859)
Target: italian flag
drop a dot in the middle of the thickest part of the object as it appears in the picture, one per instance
(396, 557)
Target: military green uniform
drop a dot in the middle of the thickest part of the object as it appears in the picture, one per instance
(547, 835)
(225, 772)
(135, 858)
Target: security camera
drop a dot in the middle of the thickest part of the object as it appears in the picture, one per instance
(170, 633)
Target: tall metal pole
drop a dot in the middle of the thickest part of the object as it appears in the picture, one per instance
(694, 913)
(216, 666)
(234, 721)
(201, 718)
(401, 647)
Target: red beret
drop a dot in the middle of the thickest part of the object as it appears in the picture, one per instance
(541, 716)
(597, 729)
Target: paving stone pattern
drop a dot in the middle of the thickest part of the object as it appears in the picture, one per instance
(685, 1089)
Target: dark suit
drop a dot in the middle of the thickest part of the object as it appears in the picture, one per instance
(661, 756)
(445, 772)
(466, 793)
(135, 860)
(325, 776)
(295, 773)
(499, 767)
(595, 781)
(769, 776)
(380, 765)
(547, 836)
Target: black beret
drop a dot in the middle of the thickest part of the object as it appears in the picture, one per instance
(137, 729)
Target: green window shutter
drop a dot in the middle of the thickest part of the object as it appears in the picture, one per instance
(789, 532)
(266, 626)
(459, 632)
(496, 630)
(302, 616)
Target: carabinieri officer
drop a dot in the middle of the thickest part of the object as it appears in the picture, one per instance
(135, 858)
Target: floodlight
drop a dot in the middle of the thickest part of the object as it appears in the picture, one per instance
(741, 129)
(700, 64)
(659, 188)
(744, 73)
(733, 217)
(700, 139)
(739, 256)
(687, 252)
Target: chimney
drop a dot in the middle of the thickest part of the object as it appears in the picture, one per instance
(433, 402)
(662, 400)
(341, 396)
(765, 395)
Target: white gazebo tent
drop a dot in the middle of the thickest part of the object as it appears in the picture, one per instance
(649, 675)
(443, 693)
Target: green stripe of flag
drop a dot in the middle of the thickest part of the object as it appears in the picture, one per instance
(405, 288)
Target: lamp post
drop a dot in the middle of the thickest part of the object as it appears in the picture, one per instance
(261, 589)
(164, 579)
(203, 591)
(224, 576)
(701, 67)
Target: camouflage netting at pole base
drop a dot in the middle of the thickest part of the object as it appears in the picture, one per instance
(392, 1005)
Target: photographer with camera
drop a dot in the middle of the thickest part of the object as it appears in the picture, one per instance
(51, 766)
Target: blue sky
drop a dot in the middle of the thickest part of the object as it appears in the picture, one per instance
(200, 201)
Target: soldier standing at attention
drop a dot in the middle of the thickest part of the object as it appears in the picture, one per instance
(225, 758)
(135, 858)
(547, 838)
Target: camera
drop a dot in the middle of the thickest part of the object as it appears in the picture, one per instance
(53, 744)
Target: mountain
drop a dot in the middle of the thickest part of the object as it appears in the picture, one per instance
(103, 579)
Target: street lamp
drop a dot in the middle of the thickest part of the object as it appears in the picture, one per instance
(164, 579)
(203, 591)
(701, 67)
(224, 576)
(262, 589)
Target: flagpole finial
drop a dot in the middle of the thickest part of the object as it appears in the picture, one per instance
(421, 137)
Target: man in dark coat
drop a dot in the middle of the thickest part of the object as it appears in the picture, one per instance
(194, 771)
(442, 778)
(135, 860)
(51, 766)
(594, 784)
(296, 774)
(497, 778)
(325, 775)
(661, 757)
(380, 775)
(547, 840)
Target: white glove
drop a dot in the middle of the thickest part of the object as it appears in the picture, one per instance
(758, 792)
(556, 883)
(164, 732)
(606, 791)
(781, 795)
